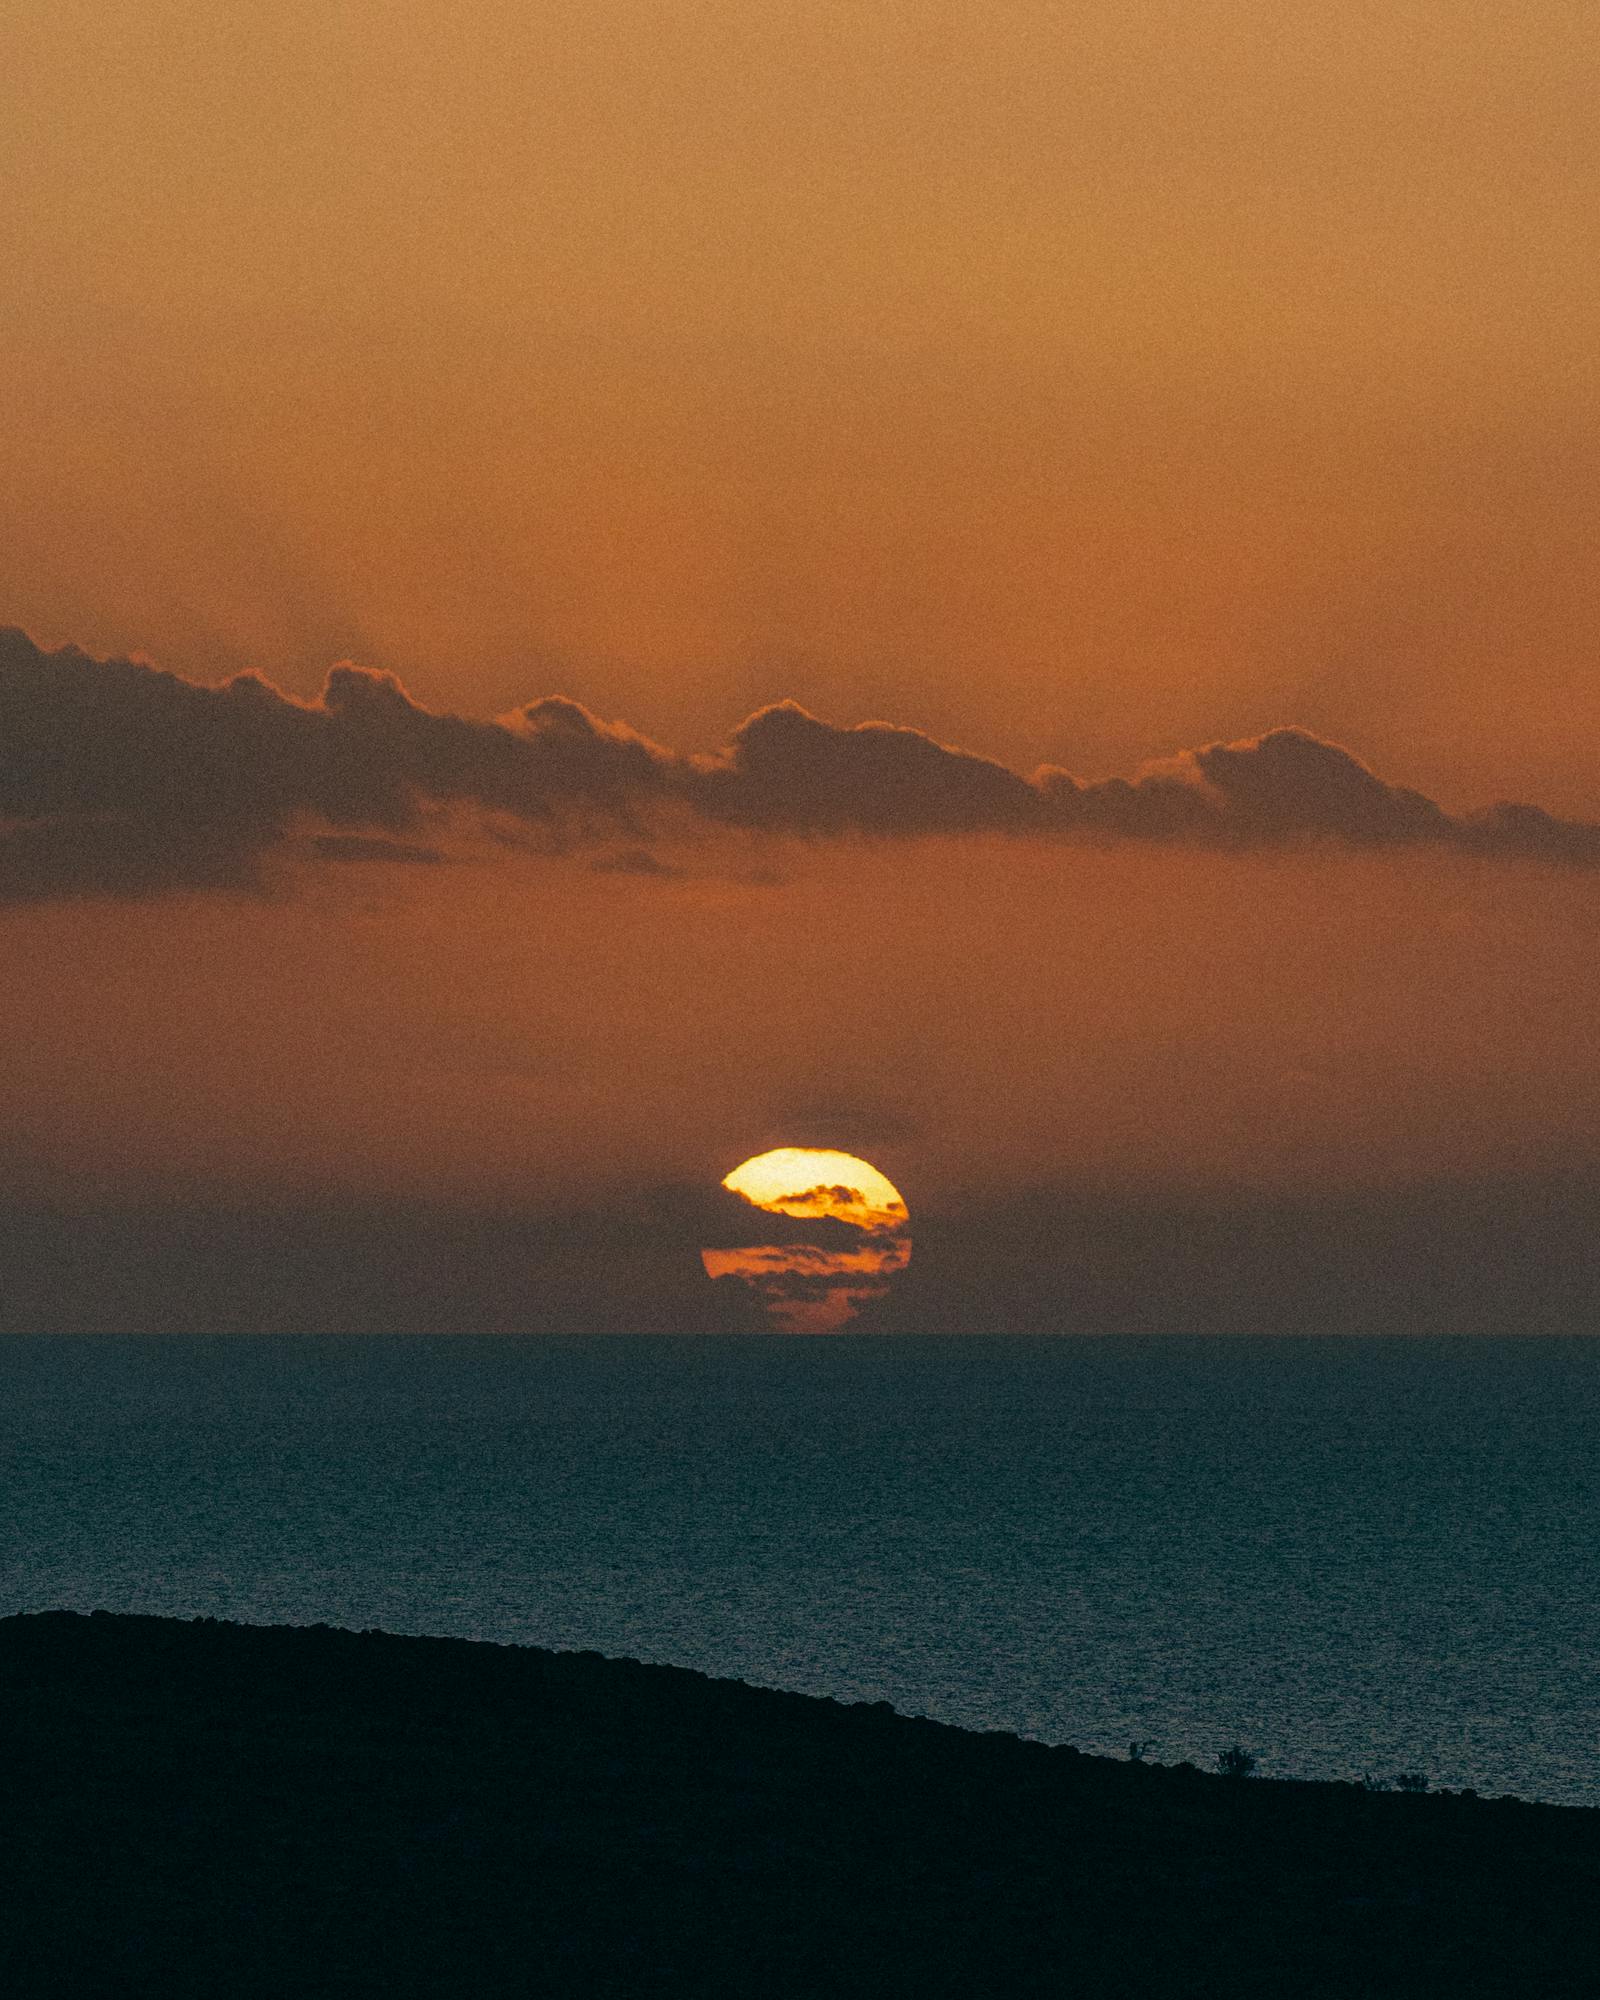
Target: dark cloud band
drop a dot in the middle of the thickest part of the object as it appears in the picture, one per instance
(116, 778)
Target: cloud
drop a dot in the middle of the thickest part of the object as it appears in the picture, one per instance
(787, 772)
(364, 847)
(1435, 1257)
(731, 1221)
(636, 861)
(119, 779)
(1531, 833)
(119, 855)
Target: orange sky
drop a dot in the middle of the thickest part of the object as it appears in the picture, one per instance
(975, 1017)
(1078, 383)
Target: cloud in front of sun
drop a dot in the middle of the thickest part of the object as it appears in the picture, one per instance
(816, 1288)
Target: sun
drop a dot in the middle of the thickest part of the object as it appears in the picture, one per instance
(813, 1181)
(820, 1286)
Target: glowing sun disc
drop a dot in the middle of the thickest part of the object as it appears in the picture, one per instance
(820, 1287)
(815, 1181)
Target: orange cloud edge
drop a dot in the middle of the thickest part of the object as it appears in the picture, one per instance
(123, 779)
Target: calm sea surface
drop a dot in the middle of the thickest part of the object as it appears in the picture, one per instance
(1351, 1556)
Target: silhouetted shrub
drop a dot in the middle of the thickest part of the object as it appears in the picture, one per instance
(1411, 1781)
(1138, 1750)
(1235, 1762)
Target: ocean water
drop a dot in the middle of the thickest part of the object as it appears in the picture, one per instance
(1349, 1555)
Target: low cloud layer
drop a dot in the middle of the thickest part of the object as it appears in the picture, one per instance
(1437, 1258)
(119, 779)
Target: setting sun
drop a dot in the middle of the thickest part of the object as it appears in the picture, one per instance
(812, 1181)
(818, 1287)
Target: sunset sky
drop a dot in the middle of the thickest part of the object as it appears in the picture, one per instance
(1079, 387)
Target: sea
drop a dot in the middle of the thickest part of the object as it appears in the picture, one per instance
(1352, 1557)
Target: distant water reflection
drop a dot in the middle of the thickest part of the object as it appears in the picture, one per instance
(1349, 1556)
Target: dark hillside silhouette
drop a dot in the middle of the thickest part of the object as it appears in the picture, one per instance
(214, 1809)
